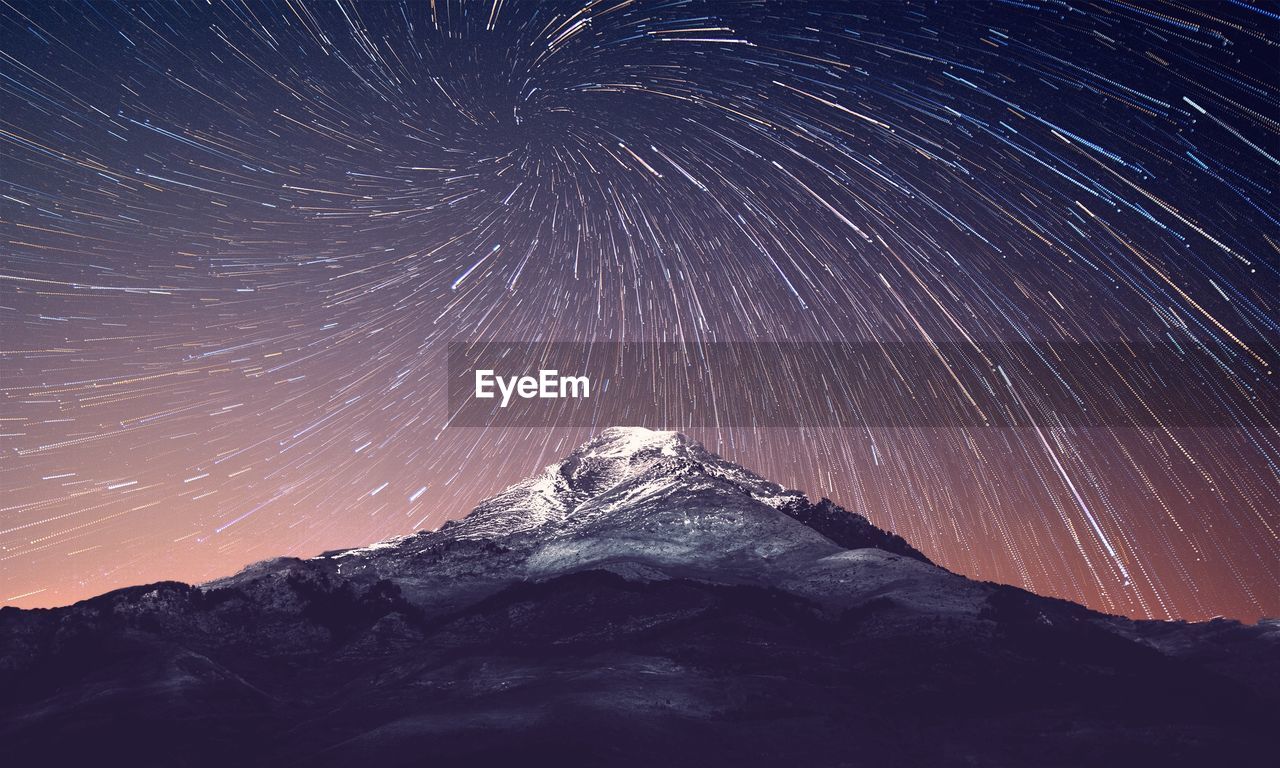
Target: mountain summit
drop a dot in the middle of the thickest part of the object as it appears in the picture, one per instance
(641, 601)
(632, 500)
(630, 480)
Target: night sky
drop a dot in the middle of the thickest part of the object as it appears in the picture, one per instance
(237, 237)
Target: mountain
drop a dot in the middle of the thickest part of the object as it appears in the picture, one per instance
(642, 602)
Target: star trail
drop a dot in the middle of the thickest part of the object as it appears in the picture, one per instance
(237, 238)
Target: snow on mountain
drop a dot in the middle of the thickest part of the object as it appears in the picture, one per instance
(622, 467)
(647, 505)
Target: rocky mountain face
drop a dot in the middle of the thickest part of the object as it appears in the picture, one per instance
(643, 602)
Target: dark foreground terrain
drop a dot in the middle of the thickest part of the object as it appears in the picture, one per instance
(643, 602)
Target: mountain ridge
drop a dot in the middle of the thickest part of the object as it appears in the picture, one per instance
(672, 599)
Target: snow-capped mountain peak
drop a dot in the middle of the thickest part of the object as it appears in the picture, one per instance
(613, 473)
(639, 494)
(625, 442)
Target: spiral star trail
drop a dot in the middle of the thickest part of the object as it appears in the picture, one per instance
(237, 236)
